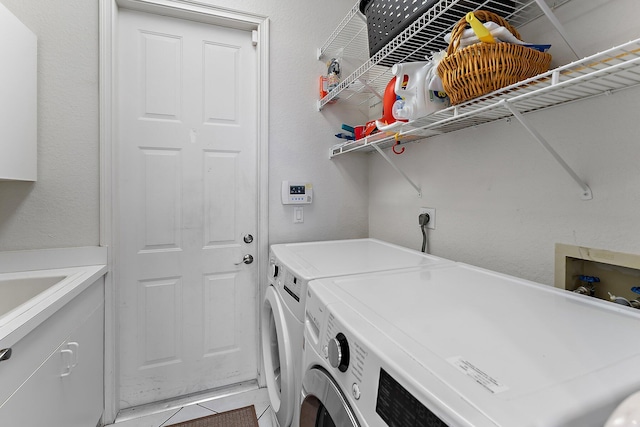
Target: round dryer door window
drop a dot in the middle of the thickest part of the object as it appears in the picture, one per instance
(324, 404)
(278, 363)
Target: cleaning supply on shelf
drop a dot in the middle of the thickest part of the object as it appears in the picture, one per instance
(348, 136)
(410, 89)
(370, 128)
(348, 128)
(388, 100)
(331, 80)
(333, 74)
(323, 89)
(438, 98)
(416, 98)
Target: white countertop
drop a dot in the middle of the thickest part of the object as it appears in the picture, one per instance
(79, 267)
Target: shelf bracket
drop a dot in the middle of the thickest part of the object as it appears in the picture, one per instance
(559, 27)
(371, 88)
(585, 193)
(400, 171)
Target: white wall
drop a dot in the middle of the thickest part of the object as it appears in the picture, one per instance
(62, 208)
(300, 136)
(501, 200)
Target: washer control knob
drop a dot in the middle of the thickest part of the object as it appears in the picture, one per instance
(339, 352)
(355, 389)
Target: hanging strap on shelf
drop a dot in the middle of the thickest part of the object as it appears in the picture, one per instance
(397, 138)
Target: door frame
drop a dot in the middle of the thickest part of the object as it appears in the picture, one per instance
(200, 12)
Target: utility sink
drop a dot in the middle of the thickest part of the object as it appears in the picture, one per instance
(15, 292)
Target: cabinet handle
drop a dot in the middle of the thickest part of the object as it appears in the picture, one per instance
(5, 354)
(74, 347)
(67, 369)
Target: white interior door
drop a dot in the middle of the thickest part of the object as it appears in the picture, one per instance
(187, 196)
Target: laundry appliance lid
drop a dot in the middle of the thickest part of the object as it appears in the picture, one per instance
(312, 260)
(522, 353)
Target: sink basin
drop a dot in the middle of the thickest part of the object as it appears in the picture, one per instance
(15, 292)
(28, 298)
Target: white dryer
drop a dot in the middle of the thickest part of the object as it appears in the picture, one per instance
(461, 346)
(292, 266)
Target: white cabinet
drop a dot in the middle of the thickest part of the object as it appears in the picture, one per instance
(59, 384)
(18, 99)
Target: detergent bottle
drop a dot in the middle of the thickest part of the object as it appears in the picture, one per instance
(388, 121)
(412, 89)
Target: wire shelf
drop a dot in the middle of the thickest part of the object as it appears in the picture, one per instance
(600, 74)
(348, 39)
(416, 43)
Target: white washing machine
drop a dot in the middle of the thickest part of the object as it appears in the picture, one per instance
(292, 266)
(460, 346)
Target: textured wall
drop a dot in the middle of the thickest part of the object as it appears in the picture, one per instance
(300, 136)
(501, 200)
(61, 209)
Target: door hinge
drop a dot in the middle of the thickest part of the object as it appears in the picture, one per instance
(254, 37)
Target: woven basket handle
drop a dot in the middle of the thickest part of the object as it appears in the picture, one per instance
(483, 15)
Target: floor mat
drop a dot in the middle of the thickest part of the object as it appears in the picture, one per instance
(241, 417)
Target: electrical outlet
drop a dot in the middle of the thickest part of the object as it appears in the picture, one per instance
(432, 216)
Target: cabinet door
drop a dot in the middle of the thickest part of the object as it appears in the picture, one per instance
(18, 103)
(82, 388)
(67, 389)
(38, 401)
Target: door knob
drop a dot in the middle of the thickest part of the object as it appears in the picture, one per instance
(248, 238)
(247, 259)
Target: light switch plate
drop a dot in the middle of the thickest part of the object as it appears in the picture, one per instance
(298, 214)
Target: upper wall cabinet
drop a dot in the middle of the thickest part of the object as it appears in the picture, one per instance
(18, 99)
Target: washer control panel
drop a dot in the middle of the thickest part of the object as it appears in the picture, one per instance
(338, 349)
(368, 367)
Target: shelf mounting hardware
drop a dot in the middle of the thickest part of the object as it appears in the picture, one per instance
(400, 171)
(586, 191)
(371, 88)
(559, 27)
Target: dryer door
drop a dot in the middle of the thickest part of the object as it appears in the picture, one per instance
(276, 354)
(324, 404)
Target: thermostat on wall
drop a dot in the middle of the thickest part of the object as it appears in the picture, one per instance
(297, 193)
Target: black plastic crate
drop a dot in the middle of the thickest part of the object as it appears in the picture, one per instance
(388, 18)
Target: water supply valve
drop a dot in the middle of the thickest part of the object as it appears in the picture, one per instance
(588, 286)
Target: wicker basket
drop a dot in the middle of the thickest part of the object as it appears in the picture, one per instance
(484, 67)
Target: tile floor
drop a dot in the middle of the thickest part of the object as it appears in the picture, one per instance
(165, 414)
